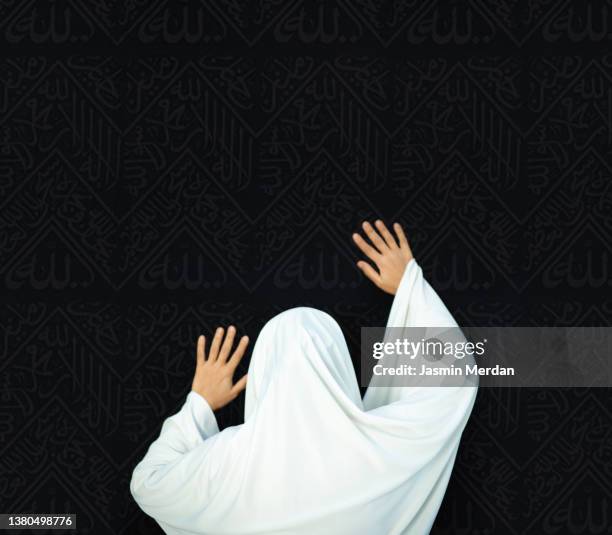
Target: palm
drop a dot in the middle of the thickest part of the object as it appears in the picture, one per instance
(389, 254)
(214, 376)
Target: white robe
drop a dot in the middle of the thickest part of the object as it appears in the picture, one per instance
(312, 457)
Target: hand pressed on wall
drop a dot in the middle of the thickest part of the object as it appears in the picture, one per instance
(389, 253)
(214, 374)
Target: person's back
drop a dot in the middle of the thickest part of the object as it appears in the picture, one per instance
(311, 456)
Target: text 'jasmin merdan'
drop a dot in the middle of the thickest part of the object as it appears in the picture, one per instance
(431, 347)
(423, 370)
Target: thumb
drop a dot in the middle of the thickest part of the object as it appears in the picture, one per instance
(240, 385)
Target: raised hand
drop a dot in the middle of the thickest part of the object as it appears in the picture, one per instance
(214, 375)
(389, 253)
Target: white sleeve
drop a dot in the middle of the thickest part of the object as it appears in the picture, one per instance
(416, 304)
(170, 482)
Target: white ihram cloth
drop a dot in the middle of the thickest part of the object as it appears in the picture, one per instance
(312, 457)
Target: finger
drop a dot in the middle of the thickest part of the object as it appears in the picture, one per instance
(389, 239)
(201, 350)
(227, 344)
(369, 272)
(366, 248)
(239, 353)
(401, 237)
(375, 238)
(216, 343)
(239, 386)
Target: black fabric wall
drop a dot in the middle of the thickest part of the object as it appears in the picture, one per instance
(166, 167)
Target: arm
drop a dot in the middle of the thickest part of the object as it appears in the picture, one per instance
(416, 304)
(171, 462)
(169, 483)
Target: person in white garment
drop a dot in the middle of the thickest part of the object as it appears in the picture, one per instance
(312, 457)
